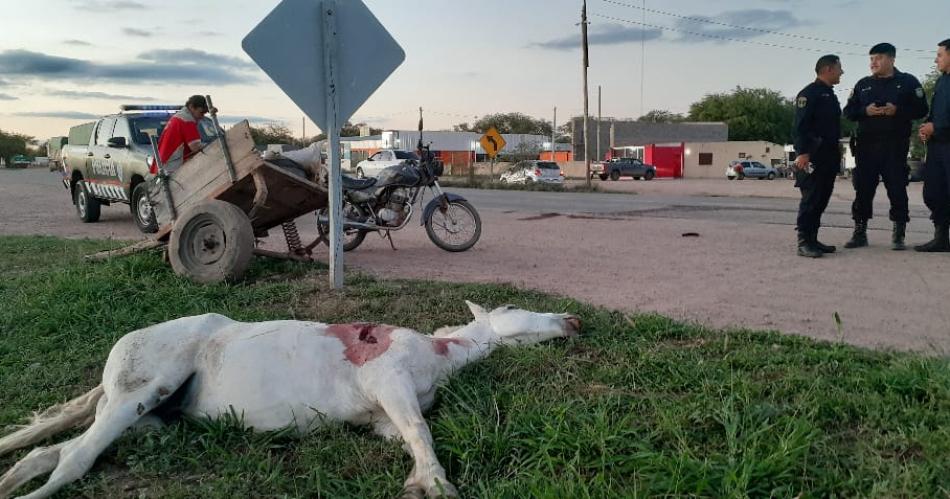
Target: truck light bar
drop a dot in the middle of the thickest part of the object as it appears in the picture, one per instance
(136, 107)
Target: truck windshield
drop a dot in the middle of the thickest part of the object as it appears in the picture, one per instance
(144, 127)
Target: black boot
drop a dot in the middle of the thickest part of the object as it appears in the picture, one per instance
(860, 237)
(897, 236)
(940, 242)
(823, 247)
(806, 246)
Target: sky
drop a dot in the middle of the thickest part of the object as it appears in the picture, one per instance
(64, 62)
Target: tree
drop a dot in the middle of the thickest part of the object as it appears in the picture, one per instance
(40, 150)
(12, 143)
(751, 113)
(351, 130)
(272, 134)
(508, 123)
(662, 116)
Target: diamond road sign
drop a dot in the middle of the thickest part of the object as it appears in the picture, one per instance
(289, 46)
(492, 142)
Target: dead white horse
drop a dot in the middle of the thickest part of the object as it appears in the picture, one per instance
(276, 374)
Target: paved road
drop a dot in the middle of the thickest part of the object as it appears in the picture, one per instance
(628, 252)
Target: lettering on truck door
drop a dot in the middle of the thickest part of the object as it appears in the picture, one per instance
(122, 158)
(102, 166)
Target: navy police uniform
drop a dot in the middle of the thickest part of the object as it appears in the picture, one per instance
(937, 171)
(883, 142)
(817, 132)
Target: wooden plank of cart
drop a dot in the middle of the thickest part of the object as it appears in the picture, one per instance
(212, 221)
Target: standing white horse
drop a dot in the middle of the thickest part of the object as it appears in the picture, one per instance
(276, 374)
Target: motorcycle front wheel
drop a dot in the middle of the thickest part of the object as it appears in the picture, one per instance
(352, 238)
(456, 228)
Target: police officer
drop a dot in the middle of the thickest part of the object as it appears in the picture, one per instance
(817, 132)
(884, 106)
(936, 134)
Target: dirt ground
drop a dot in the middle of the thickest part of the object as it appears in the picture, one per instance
(733, 275)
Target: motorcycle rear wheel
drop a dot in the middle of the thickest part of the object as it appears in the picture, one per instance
(352, 238)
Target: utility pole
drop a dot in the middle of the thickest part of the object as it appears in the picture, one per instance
(643, 57)
(586, 96)
(553, 135)
(599, 117)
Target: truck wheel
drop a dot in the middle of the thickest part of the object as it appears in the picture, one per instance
(142, 211)
(212, 242)
(603, 176)
(615, 175)
(88, 207)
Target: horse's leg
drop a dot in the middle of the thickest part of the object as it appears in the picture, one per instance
(79, 454)
(402, 407)
(39, 461)
(118, 414)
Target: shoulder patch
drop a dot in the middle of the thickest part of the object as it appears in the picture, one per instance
(802, 102)
(919, 92)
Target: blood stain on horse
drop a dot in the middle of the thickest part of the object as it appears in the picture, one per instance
(441, 345)
(363, 341)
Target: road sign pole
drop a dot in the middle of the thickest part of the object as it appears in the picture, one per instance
(328, 14)
(491, 171)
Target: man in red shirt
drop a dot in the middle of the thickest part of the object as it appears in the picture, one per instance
(180, 139)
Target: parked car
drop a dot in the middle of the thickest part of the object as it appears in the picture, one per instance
(622, 167)
(378, 162)
(750, 169)
(524, 172)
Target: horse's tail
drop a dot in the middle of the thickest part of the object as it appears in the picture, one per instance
(76, 413)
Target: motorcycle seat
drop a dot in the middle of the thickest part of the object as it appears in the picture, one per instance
(358, 184)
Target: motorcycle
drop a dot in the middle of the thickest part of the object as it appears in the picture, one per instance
(386, 203)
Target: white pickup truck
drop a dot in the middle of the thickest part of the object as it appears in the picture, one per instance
(107, 161)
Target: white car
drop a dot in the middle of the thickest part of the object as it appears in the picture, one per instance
(524, 172)
(381, 160)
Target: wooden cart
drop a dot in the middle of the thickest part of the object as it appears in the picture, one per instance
(211, 222)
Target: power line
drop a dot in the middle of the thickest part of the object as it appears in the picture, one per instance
(722, 38)
(694, 19)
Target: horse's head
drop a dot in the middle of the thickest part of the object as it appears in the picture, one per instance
(515, 326)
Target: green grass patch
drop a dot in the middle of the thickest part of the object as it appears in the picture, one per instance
(636, 406)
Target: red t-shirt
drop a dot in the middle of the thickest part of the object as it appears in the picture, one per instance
(173, 144)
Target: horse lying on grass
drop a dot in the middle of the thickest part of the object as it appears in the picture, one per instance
(276, 375)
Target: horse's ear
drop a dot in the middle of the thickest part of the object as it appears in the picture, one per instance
(477, 310)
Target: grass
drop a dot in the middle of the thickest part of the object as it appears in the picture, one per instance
(637, 406)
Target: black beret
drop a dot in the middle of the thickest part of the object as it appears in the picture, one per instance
(884, 48)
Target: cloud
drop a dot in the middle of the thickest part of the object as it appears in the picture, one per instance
(69, 115)
(209, 33)
(8, 97)
(195, 56)
(25, 63)
(76, 94)
(607, 34)
(109, 6)
(77, 43)
(141, 33)
(757, 19)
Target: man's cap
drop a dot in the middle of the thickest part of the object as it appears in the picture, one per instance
(884, 48)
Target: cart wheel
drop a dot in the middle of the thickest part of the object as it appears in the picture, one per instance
(212, 242)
